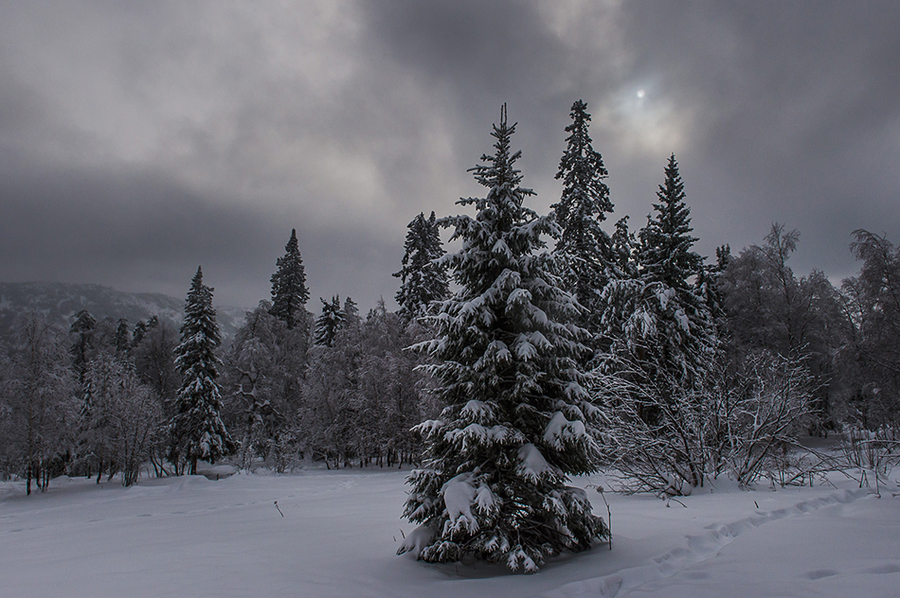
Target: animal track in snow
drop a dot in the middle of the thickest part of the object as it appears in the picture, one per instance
(697, 549)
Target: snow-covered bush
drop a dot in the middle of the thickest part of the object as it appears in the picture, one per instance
(120, 419)
(757, 414)
(876, 451)
(739, 423)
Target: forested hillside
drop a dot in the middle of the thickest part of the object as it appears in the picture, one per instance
(59, 302)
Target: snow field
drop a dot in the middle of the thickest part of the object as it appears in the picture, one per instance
(190, 536)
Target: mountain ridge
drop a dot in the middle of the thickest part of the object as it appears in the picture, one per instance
(60, 302)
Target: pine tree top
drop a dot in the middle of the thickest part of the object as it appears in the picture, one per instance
(289, 292)
(84, 322)
(503, 227)
(332, 319)
(666, 242)
(423, 278)
(581, 168)
(583, 205)
(504, 335)
(199, 331)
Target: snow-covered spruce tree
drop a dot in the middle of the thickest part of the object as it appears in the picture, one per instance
(330, 321)
(122, 339)
(663, 341)
(289, 292)
(684, 338)
(516, 421)
(423, 279)
(82, 333)
(351, 312)
(584, 247)
(666, 241)
(197, 431)
(708, 286)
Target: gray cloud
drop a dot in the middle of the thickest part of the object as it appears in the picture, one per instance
(795, 116)
(146, 233)
(138, 140)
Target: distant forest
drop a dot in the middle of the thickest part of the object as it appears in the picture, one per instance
(676, 369)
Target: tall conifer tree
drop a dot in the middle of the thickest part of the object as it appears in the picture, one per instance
(663, 341)
(197, 431)
(657, 316)
(422, 279)
(516, 423)
(82, 330)
(584, 246)
(289, 292)
(666, 242)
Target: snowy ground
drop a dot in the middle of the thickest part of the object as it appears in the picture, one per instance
(190, 536)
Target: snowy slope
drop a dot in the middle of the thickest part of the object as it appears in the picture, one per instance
(193, 537)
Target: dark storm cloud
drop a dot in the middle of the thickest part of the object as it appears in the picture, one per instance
(473, 50)
(138, 140)
(779, 111)
(475, 56)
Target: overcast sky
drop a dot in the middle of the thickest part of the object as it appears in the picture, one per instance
(139, 140)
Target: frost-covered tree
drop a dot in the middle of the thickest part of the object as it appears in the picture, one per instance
(667, 254)
(708, 286)
(332, 319)
(154, 361)
(585, 248)
(264, 374)
(770, 308)
(39, 402)
(516, 421)
(738, 422)
(82, 333)
(625, 250)
(137, 335)
(253, 379)
(289, 292)
(331, 427)
(654, 316)
(684, 337)
(122, 337)
(120, 418)
(871, 357)
(350, 311)
(361, 396)
(197, 431)
(389, 388)
(423, 279)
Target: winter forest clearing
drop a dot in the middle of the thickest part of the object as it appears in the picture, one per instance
(541, 349)
(189, 536)
(293, 302)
